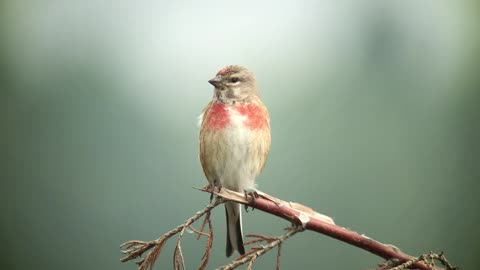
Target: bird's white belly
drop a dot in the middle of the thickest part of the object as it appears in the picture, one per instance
(238, 172)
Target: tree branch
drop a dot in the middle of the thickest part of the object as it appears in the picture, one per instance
(302, 218)
(311, 220)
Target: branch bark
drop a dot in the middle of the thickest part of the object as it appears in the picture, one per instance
(304, 216)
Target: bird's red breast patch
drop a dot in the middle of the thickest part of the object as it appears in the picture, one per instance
(219, 115)
(255, 116)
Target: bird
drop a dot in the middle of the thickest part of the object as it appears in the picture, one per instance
(234, 141)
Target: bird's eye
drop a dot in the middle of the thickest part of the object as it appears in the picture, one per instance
(234, 80)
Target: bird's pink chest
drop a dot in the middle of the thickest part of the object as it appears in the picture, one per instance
(250, 115)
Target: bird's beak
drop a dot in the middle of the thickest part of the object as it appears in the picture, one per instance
(217, 81)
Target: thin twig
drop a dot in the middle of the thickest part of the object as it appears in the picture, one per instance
(445, 262)
(203, 226)
(407, 264)
(200, 233)
(135, 248)
(262, 250)
(261, 237)
(253, 241)
(178, 259)
(250, 263)
(429, 259)
(208, 248)
(279, 253)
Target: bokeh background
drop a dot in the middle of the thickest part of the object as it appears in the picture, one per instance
(374, 111)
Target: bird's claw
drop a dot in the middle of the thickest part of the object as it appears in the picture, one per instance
(212, 191)
(253, 195)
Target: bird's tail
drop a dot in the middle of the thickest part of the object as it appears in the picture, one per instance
(234, 228)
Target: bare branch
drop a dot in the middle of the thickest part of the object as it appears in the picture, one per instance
(279, 253)
(178, 259)
(134, 249)
(199, 233)
(304, 216)
(203, 225)
(208, 248)
(428, 259)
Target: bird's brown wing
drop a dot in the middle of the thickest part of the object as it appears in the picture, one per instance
(202, 150)
(264, 145)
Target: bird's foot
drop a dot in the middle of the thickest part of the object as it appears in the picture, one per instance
(212, 191)
(253, 195)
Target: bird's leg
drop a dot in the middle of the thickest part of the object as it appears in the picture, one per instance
(253, 194)
(212, 188)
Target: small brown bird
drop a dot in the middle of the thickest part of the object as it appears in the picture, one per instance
(234, 141)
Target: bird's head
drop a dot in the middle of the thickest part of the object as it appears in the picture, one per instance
(233, 84)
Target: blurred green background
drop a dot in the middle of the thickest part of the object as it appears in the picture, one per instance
(374, 111)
